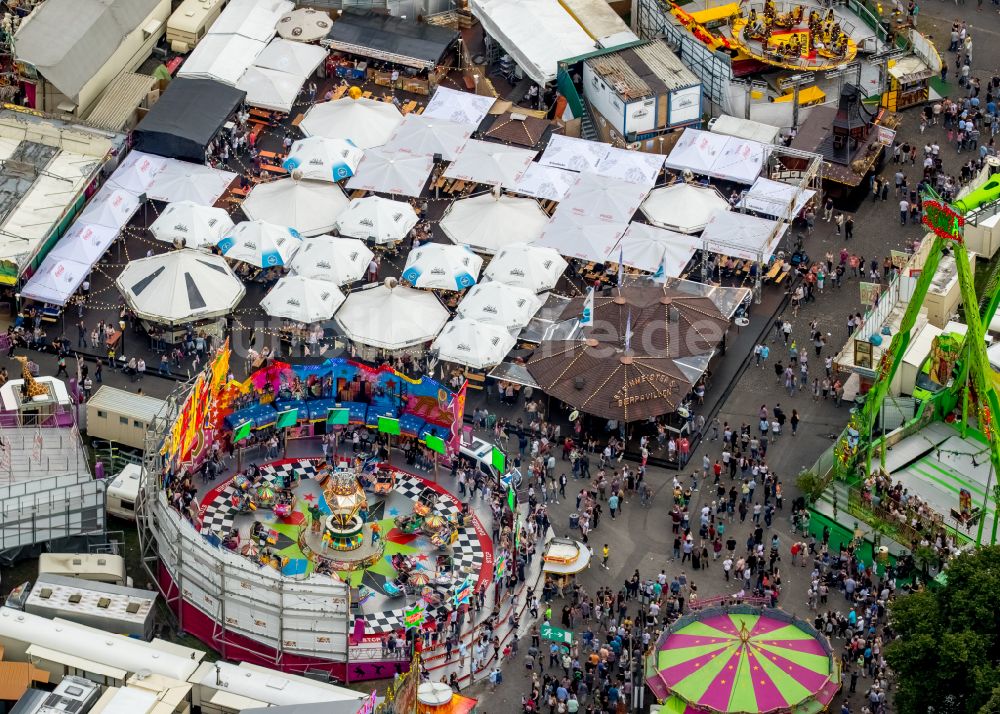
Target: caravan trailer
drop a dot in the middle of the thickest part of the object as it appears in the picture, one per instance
(112, 608)
(72, 694)
(123, 491)
(190, 22)
(121, 416)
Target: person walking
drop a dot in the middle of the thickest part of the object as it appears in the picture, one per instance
(794, 421)
(605, 553)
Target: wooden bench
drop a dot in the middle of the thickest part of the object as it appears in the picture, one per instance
(777, 281)
(457, 186)
(476, 381)
(339, 92)
(367, 95)
(274, 156)
(239, 191)
(271, 168)
(298, 119)
(260, 113)
(113, 340)
(773, 272)
(420, 109)
(409, 107)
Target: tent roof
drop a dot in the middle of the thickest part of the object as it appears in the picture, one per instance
(582, 237)
(726, 157)
(69, 41)
(189, 114)
(645, 247)
(740, 235)
(776, 198)
(254, 19)
(459, 107)
(310, 207)
(487, 162)
(295, 58)
(270, 88)
(546, 182)
(221, 57)
(392, 172)
(683, 206)
(391, 318)
(606, 198)
(568, 152)
(632, 166)
(390, 38)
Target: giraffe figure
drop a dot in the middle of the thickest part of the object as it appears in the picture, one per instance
(31, 388)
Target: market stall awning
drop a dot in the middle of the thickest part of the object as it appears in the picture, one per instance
(185, 181)
(180, 286)
(111, 207)
(84, 242)
(136, 173)
(390, 39)
(632, 166)
(726, 157)
(486, 223)
(270, 89)
(776, 198)
(55, 281)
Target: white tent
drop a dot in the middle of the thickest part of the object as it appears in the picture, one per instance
(255, 19)
(459, 107)
(632, 166)
(655, 250)
(683, 207)
(391, 317)
(546, 182)
(310, 207)
(725, 157)
(507, 306)
(323, 159)
(55, 281)
(365, 122)
(261, 244)
(606, 198)
(302, 299)
(136, 173)
(184, 181)
(423, 135)
(270, 89)
(222, 57)
(567, 152)
(337, 260)
(538, 34)
(527, 266)
(743, 236)
(180, 286)
(775, 198)
(84, 243)
(391, 172)
(110, 207)
(486, 223)
(582, 237)
(488, 162)
(294, 58)
(196, 225)
(472, 343)
(442, 266)
(304, 25)
(377, 219)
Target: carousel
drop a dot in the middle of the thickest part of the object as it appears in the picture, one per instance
(794, 38)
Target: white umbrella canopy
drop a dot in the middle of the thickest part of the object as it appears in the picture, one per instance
(323, 159)
(111, 208)
(184, 181)
(582, 237)
(180, 286)
(365, 122)
(304, 25)
(195, 225)
(605, 198)
(336, 260)
(310, 207)
(391, 316)
(545, 182)
(568, 152)
(472, 343)
(270, 88)
(137, 172)
(443, 267)
(489, 162)
(523, 265)
(302, 299)
(395, 173)
(261, 244)
(378, 219)
(506, 306)
(655, 250)
(84, 243)
(487, 223)
(632, 166)
(292, 58)
(683, 207)
(426, 136)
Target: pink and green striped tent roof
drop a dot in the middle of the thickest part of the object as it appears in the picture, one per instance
(741, 660)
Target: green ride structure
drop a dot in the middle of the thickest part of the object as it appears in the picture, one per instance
(974, 385)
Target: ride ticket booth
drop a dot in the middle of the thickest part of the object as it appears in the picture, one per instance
(563, 559)
(438, 698)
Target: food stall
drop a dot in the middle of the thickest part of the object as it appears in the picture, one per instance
(563, 559)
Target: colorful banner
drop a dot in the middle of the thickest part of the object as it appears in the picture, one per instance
(500, 569)
(415, 617)
(463, 593)
(870, 293)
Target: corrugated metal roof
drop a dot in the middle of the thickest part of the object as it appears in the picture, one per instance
(119, 100)
(69, 41)
(643, 71)
(119, 401)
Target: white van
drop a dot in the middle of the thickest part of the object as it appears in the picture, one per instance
(123, 491)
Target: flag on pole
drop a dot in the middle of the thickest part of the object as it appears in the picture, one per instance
(621, 266)
(414, 617)
(511, 498)
(661, 270)
(517, 534)
(587, 318)
(628, 332)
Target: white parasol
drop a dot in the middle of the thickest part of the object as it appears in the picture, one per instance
(506, 306)
(310, 207)
(111, 207)
(365, 122)
(582, 237)
(395, 173)
(605, 198)
(324, 159)
(391, 317)
(337, 260)
(180, 286)
(196, 226)
(472, 343)
(528, 266)
(423, 135)
(378, 219)
(302, 299)
(487, 223)
(488, 162)
(442, 267)
(261, 244)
